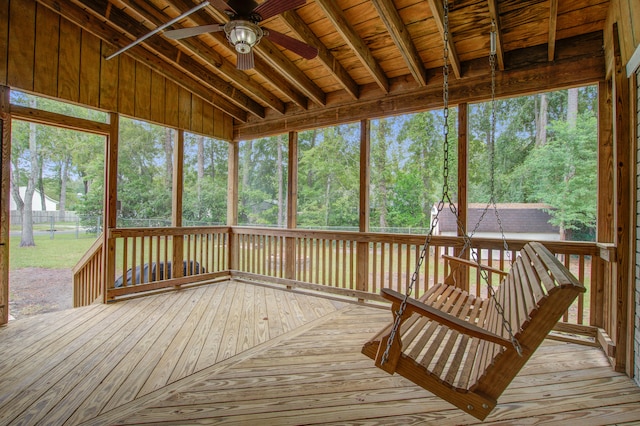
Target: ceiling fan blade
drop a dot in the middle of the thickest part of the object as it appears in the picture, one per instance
(274, 7)
(222, 6)
(292, 44)
(193, 31)
(245, 61)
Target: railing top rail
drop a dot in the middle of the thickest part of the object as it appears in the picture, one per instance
(163, 231)
(97, 245)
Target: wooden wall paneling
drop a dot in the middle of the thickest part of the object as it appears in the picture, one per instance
(171, 103)
(69, 62)
(22, 21)
(109, 71)
(218, 124)
(4, 40)
(184, 108)
(207, 119)
(126, 85)
(5, 177)
(157, 97)
(143, 92)
(47, 51)
(635, 21)
(90, 62)
(196, 114)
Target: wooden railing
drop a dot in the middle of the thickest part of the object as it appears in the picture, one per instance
(149, 259)
(88, 276)
(349, 263)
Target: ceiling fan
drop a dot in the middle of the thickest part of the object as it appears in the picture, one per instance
(243, 30)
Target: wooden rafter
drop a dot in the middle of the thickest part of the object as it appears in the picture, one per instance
(553, 22)
(495, 18)
(437, 9)
(298, 26)
(351, 37)
(402, 39)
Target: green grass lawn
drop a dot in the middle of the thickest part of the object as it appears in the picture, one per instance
(62, 252)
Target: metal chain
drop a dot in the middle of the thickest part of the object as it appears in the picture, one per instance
(445, 188)
(446, 197)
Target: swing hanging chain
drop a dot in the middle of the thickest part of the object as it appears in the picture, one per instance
(446, 197)
(445, 189)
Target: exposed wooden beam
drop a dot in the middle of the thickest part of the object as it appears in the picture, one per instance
(59, 120)
(351, 37)
(587, 67)
(553, 21)
(401, 37)
(274, 58)
(494, 13)
(127, 24)
(437, 9)
(299, 27)
(96, 26)
(146, 11)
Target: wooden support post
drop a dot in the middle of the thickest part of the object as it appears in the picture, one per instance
(232, 206)
(362, 275)
(110, 205)
(5, 179)
(292, 206)
(176, 204)
(462, 277)
(622, 336)
(605, 218)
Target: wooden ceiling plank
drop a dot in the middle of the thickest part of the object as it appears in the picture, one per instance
(494, 12)
(437, 9)
(97, 27)
(131, 26)
(553, 21)
(351, 37)
(402, 39)
(298, 26)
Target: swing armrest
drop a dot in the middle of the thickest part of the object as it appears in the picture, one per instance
(461, 261)
(444, 318)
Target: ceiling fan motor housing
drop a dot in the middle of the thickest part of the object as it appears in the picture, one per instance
(243, 35)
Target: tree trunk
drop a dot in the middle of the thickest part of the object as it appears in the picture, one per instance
(64, 178)
(200, 178)
(572, 108)
(26, 238)
(541, 121)
(168, 155)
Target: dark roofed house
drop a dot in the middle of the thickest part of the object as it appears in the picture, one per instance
(519, 221)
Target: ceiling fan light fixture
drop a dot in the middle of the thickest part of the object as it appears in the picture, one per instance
(243, 35)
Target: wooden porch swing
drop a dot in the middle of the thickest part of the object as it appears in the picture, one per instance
(468, 349)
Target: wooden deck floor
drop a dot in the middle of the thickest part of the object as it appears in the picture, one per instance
(234, 353)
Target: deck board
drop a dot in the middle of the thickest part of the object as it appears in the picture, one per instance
(237, 353)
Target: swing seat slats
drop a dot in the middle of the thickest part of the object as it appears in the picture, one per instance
(454, 344)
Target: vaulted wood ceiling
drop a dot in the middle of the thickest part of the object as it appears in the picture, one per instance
(374, 55)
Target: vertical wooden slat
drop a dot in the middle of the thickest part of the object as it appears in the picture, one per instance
(207, 119)
(109, 71)
(184, 108)
(126, 85)
(21, 51)
(47, 45)
(171, 115)
(142, 102)
(69, 63)
(157, 97)
(90, 70)
(196, 114)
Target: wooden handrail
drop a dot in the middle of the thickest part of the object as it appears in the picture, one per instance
(461, 261)
(97, 244)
